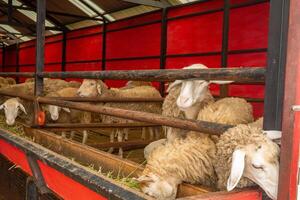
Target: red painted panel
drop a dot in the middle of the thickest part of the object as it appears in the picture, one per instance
(66, 187)
(15, 155)
(87, 48)
(10, 56)
(196, 34)
(53, 52)
(199, 7)
(130, 65)
(27, 55)
(254, 31)
(52, 68)
(140, 41)
(255, 91)
(135, 20)
(53, 38)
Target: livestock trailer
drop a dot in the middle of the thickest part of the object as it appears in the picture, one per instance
(254, 43)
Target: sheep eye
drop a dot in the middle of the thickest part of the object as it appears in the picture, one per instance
(259, 147)
(257, 167)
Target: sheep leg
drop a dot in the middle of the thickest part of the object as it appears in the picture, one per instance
(111, 139)
(157, 133)
(85, 137)
(126, 131)
(72, 135)
(151, 132)
(143, 133)
(63, 134)
(120, 139)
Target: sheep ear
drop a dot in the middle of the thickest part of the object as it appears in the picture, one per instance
(273, 134)
(101, 86)
(177, 82)
(237, 169)
(22, 108)
(67, 110)
(221, 82)
(1, 106)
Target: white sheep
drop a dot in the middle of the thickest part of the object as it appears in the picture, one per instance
(66, 115)
(185, 99)
(94, 88)
(12, 107)
(242, 151)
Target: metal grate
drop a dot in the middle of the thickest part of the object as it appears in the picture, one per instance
(13, 182)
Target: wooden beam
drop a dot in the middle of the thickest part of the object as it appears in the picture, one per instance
(158, 4)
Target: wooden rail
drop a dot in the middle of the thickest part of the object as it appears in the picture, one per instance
(191, 125)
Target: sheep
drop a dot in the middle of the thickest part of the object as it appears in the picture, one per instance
(94, 88)
(12, 106)
(11, 81)
(179, 160)
(66, 115)
(230, 111)
(242, 153)
(246, 156)
(185, 99)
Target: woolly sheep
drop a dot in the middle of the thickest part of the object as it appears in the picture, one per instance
(179, 160)
(11, 81)
(94, 88)
(186, 98)
(242, 151)
(66, 115)
(12, 107)
(246, 156)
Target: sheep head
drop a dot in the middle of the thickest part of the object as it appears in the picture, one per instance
(11, 110)
(257, 162)
(91, 88)
(55, 111)
(157, 187)
(192, 91)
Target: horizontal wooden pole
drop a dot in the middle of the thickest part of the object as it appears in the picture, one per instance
(17, 74)
(92, 126)
(135, 144)
(191, 125)
(109, 99)
(241, 75)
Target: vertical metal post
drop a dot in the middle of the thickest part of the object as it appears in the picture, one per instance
(225, 38)
(32, 192)
(3, 57)
(17, 61)
(163, 45)
(9, 11)
(289, 155)
(40, 43)
(64, 50)
(104, 29)
(278, 28)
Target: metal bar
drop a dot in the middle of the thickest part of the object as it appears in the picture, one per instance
(32, 192)
(3, 57)
(225, 38)
(9, 10)
(289, 153)
(153, 3)
(32, 7)
(93, 126)
(15, 74)
(40, 43)
(135, 144)
(104, 30)
(26, 25)
(64, 51)
(37, 174)
(192, 125)
(95, 11)
(163, 46)
(240, 75)
(278, 27)
(109, 99)
(17, 62)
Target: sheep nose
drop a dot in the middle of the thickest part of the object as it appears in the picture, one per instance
(10, 122)
(78, 93)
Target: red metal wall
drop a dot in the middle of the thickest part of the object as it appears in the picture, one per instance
(128, 47)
